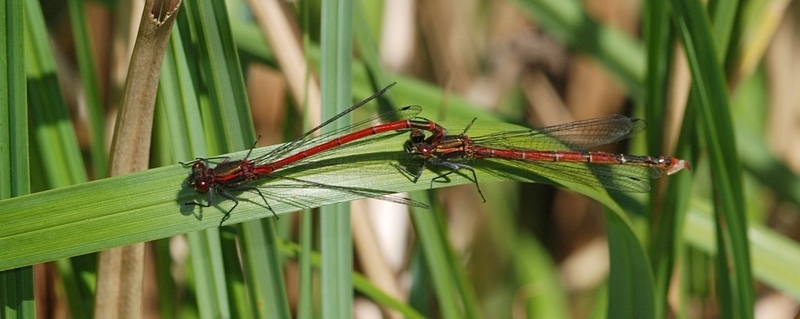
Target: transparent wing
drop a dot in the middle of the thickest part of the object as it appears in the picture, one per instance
(580, 135)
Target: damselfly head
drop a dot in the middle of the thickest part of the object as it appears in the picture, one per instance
(677, 166)
(199, 177)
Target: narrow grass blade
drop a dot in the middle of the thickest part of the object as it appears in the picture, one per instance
(53, 134)
(219, 63)
(659, 40)
(90, 86)
(361, 284)
(272, 300)
(55, 149)
(433, 243)
(734, 277)
(367, 48)
(543, 293)
(305, 304)
(335, 235)
(233, 129)
(466, 297)
(631, 290)
(180, 109)
(16, 299)
(774, 257)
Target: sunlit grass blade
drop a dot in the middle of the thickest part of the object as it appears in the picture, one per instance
(360, 284)
(305, 294)
(150, 205)
(774, 257)
(179, 107)
(437, 258)
(658, 41)
(368, 52)
(336, 41)
(210, 278)
(17, 298)
(224, 82)
(53, 134)
(631, 291)
(273, 299)
(306, 286)
(734, 277)
(667, 208)
(90, 86)
(55, 148)
(543, 293)
(229, 109)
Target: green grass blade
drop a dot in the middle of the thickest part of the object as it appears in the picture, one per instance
(54, 135)
(230, 112)
(181, 111)
(224, 82)
(272, 299)
(658, 40)
(306, 291)
(544, 295)
(218, 280)
(631, 288)
(368, 52)
(335, 234)
(209, 275)
(774, 257)
(226, 90)
(664, 218)
(14, 159)
(304, 300)
(90, 86)
(734, 277)
(360, 283)
(177, 101)
(433, 243)
(16, 299)
(723, 17)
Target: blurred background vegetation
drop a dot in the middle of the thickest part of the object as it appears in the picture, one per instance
(716, 84)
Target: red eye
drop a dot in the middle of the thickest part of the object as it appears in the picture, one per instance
(201, 185)
(198, 166)
(425, 150)
(419, 148)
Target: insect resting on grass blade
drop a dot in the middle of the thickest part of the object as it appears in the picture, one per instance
(229, 176)
(560, 150)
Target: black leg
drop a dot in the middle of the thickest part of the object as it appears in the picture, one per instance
(244, 189)
(208, 200)
(413, 176)
(266, 202)
(454, 168)
(228, 214)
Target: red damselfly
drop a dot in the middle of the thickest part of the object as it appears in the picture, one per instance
(560, 150)
(234, 175)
